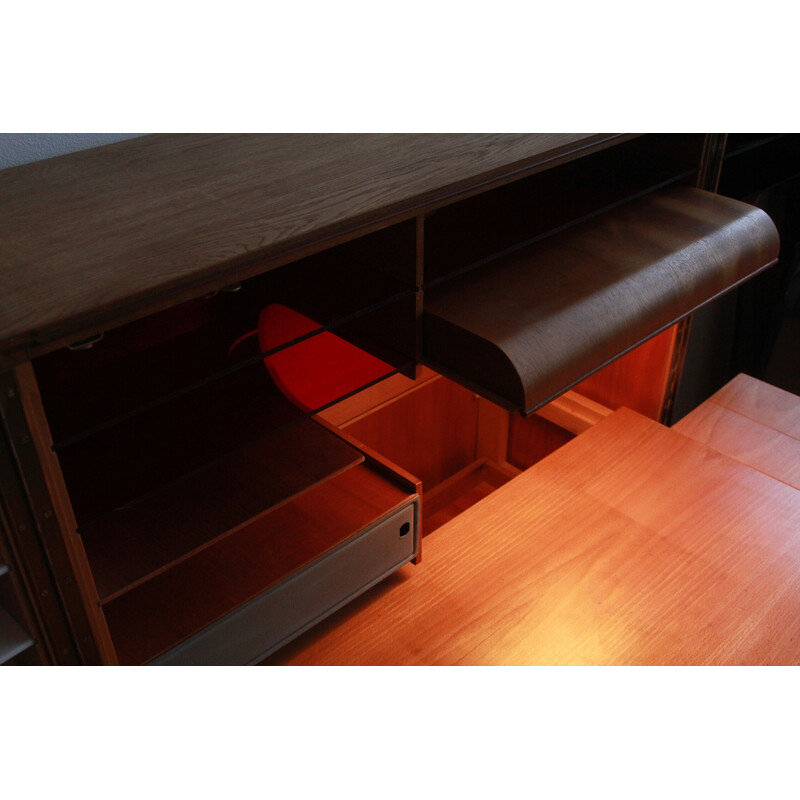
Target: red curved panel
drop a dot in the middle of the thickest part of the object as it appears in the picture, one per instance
(318, 370)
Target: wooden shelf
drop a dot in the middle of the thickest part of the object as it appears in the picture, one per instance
(130, 545)
(119, 465)
(530, 325)
(85, 389)
(149, 361)
(125, 464)
(13, 640)
(196, 592)
(478, 228)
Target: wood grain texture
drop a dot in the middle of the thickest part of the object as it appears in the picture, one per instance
(462, 490)
(744, 438)
(530, 325)
(430, 432)
(494, 424)
(95, 238)
(631, 545)
(469, 231)
(573, 412)
(533, 438)
(762, 402)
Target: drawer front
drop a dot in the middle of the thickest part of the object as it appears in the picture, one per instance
(250, 633)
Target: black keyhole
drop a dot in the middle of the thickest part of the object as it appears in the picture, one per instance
(404, 529)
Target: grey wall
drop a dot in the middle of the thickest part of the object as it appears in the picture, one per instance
(20, 148)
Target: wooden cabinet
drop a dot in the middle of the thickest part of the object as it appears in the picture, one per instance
(201, 490)
(241, 372)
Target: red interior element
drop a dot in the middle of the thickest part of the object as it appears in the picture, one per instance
(318, 370)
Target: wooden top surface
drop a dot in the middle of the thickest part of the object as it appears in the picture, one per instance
(761, 402)
(102, 236)
(752, 422)
(631, 545)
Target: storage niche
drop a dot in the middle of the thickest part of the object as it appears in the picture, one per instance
(189, 452)
(466, 233)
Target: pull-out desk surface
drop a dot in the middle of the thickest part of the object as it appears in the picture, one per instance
(633, 544)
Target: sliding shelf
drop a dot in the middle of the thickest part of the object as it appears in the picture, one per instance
(124, 464)
(13, 639)
(529, 325)
(119, 465)
(130, 545)
(184, 600)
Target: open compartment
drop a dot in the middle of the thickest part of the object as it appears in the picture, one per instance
(184, 394)
(754, 163)
(462, 446)
(446, 435)
(471, 231)
(183, 454)
(214, 340)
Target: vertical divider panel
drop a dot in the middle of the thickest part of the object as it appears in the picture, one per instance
(64, 545)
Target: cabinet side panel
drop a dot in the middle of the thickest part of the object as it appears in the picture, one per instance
(56, 521)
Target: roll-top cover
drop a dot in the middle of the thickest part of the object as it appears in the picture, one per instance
(527, 326)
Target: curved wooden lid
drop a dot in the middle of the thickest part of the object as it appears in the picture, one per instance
(529, 325)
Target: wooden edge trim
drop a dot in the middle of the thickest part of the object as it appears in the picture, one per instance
(573, 412)
(62, 509)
